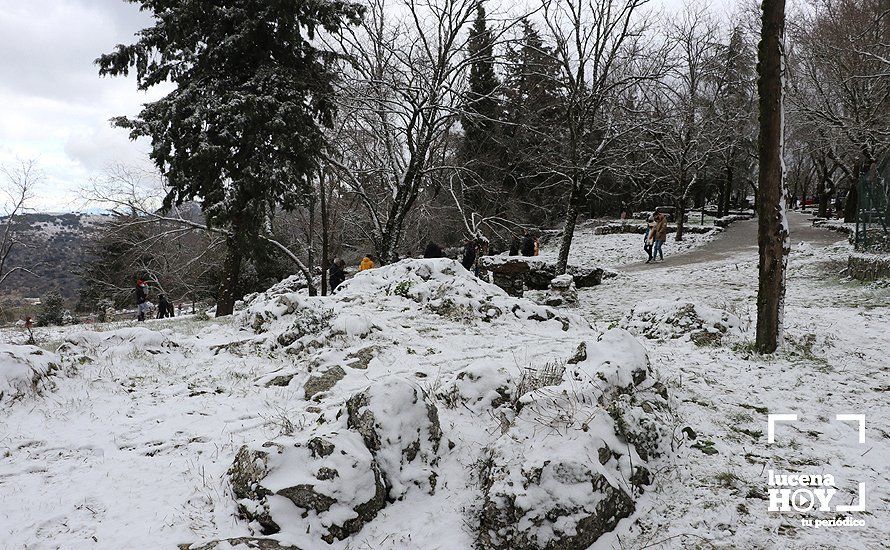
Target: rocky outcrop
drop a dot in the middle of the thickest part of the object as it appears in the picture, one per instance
(385, 442)
(668, 319)
(332, 480)
(541, 490)
(322, 382)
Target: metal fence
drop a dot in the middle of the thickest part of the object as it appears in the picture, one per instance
(873, 218)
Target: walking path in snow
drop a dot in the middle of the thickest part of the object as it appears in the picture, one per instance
(739, 237)
(834, 361)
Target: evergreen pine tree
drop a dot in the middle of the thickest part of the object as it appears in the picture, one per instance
(481, 149)
(241, 130)
(532, 122)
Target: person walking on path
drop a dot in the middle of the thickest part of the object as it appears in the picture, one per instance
(336, 274)
(660, 235)
(141, 298)
(366, 263)
(649, 237)
(515, 245)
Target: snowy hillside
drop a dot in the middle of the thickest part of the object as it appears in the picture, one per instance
(55, 247)
(423, 408)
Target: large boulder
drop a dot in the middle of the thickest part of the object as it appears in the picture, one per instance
(325, 485)
(400, 426)
(561, 488)
(333, 480)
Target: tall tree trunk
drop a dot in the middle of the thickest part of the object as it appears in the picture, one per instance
(851, 202)
(310, 256)
(723, 209)
(228, 284)
(325, 254)
(772, 234)
(679, 217)
(565, 243)
(824, 197)
(568, 228)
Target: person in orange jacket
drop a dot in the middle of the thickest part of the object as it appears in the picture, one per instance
(366, 263)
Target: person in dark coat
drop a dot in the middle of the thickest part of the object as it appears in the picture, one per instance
(141, 298)
(515, 245)
(528, 244)
(165, 307)
(469, 258)
(433, 250)
(336, 274)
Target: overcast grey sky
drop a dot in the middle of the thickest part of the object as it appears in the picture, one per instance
(53, 105)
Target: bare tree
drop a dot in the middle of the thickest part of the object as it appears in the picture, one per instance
(841, 82)
(136, 197)
(15, 194)
(598, 46)
(772, 236)
(400, 102)
(685, 132)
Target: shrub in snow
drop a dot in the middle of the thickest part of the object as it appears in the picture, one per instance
(664, 319)
(333, 479)
(24, 370)
(51, 310)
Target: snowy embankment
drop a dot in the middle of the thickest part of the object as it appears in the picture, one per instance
(420, 407)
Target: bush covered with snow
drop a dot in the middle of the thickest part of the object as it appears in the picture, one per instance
(670, 319)
(24, 370)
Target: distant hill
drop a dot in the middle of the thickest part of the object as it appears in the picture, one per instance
(57, 248)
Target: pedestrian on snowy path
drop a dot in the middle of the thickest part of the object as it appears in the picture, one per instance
(165, 308)
(142, 304)
(649, 237)
(660, 235)
(529, 244)
(336, 274)
(515, 245)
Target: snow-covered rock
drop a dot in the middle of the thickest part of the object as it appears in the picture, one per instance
(24, 370)
(408, 361)
(119, 342)
(573, 461)
(670, 319)
(337, 476)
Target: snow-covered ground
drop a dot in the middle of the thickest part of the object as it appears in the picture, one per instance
(129, 443)
(609, 251)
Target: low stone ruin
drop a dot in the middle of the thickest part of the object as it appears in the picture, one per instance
(516, 273)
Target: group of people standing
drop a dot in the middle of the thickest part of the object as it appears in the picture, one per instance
(143, 306)
(656, 234)
(525, 244)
